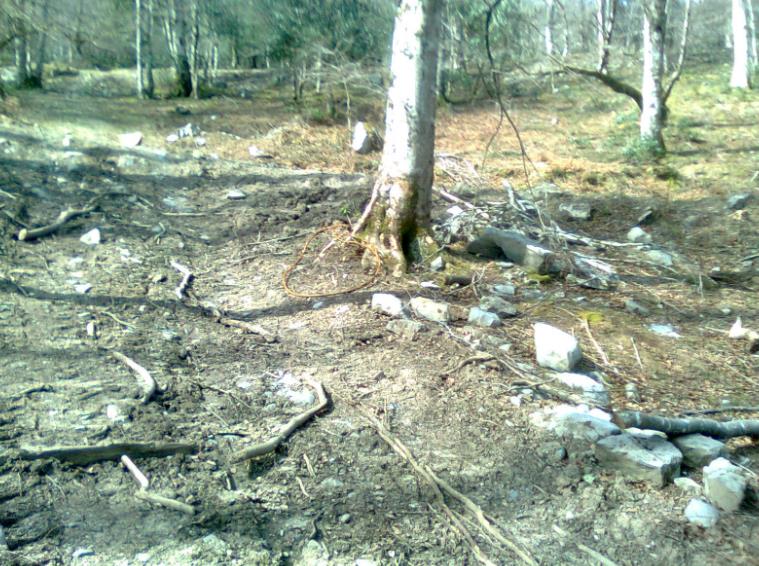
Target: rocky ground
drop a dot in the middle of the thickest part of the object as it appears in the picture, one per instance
(235, 356)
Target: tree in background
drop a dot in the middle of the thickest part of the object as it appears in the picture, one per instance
(741, 73)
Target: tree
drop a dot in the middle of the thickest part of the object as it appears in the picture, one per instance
(653, 105)
(741, 74)
(398, 213)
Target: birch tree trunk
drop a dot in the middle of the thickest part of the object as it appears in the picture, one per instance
(194, 49)
(740, 77)
(751, 28)
(39, 59)
(150, 82)
(138, 46)
(21, 45)
(652, 112)
(548, 30)
(175, 27)
(398, 213)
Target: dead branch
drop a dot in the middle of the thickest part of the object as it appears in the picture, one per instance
(147, 383)
(723, 410)
(28, 234)
(616, 85)
(445, 195)
(137, 474)
(597, 556)
(84, 455)
(172, 504)
(293, 424)
(250, 328)
(186, 278)
(441, 488)
(681, 426)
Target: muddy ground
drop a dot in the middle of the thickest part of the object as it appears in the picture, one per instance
(335, 491)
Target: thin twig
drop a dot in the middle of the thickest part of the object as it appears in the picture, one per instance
(186, 278)
(172, 504)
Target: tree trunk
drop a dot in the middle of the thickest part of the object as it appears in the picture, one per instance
(398, 213)
(741, 75)
(20, 43)
(39, 60)
(175, 28)
(194, 50)
(138, 46)
(150, 82)
(751, 28)
(652, 113)
(605, 16)
(548, 30)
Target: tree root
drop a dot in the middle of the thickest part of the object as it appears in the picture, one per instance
(440, 489)
(294, 423)
(28, 234)
(679, 427)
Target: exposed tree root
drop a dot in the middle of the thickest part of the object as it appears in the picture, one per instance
(294, 423)
(678, 427)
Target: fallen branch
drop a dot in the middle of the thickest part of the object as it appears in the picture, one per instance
(186, 278)
(27, 234)
(679, 427)
(172, 504)
(293, 424)
(597, 556)
(137, 474)
(84, 455)
(740, 409)
(147, 383)
(250, 328)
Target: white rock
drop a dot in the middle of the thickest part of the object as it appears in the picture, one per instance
(83, 288)
(200, 141)
(91, 238)
(484, 318)
(387, 304)
(589, 388)
(498, 305)
(130, 139)
(555, 349)
(253, 151)
(455, 210)
(406, 329)
(361, 142)
(576, 422)
(664, 330)
(236, 194)
(431, 310)
(577, 210)
(437, 264)
(172, 138)
(504, 290)
(698, 450)
(640, 458)
(67, 140)
(638, 235)
(660, 258)
(688, 486)
(724, 484)
(701, 513)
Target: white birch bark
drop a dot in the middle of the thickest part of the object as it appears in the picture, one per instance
(401, 201)
(138, 46)
(652, 112)
(548, 30)
(740, 76)
(751, 29)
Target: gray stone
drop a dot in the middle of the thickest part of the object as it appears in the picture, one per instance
(504, 290)
(314, 553)
(437, 264)
(431, 310)
(576, 423)
(699, 450)
(496, 243)
(361, 142)
(484, 318)
(699, 512)
(632, 393)
(592, 391)
(91, 238)
(638, 235)
(189, 130)
(552, 452)
(387, 304)
(724, 484)
(498, 305)
(738, 202)
(577, 210)
(172, 138)
(555, 349)
(236, 194)
(640, 458)
(130, 139)
(659, 257)
(688, 486)
(636, 308)
(406, 329)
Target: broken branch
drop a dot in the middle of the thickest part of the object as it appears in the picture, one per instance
(679, 427)
(147, 382)
(84, 455)
(172, 504)
(27, 234)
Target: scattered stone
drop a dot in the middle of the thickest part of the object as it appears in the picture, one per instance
(738, 202)
(429, 285)
(406, 329)
(660, 258)
(495, 243)
(189, 130)
(638, 235)
(701, 513)
(67, 140)
(592, 273)
(640, 458)
(688, 486)
(455, 210)
(635, 307)
(200, 141)
(345, 518)
(555, 349)
(130, 139)
(590, 389)
(83, 288)
(632, 393)
(82, 552)
(387, 304)
(724, 484)
(504, 290)
(91, 238)
(172, 138)
(253, 151)
(331, 484)
(698, 450)
(576, 422)
(361, 142)
(498, 305)
(647, 217)
(314, 553)
(664, 330)
(577, 210)
(236, 194)
(483, 318)
(437, 264)
(553, 452)
(431, 310)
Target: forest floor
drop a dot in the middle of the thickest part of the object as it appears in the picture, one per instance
(335, 491)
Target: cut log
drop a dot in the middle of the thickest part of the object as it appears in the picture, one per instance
(679, 427)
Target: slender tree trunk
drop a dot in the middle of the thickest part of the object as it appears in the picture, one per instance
(741, 74)
(138, 46)
(751, 28)
(652, 113)
(194, 49)
(548, 29)
(605, 16)
(175, 27)
(150, 82)
(39, 62)
(20, 43)
(398, 213)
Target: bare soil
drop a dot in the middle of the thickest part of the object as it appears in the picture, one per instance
(334, 490)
